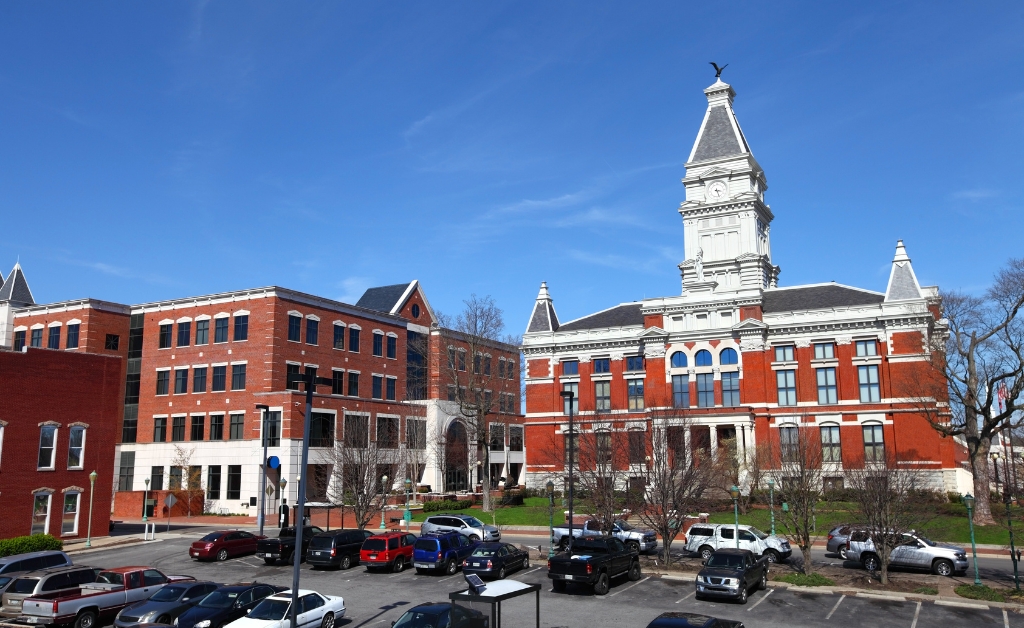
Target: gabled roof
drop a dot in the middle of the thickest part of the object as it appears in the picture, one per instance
(902, 280)
(816, 297)
(622, 315)
(543, 318)
(384, 298)
(16, 289)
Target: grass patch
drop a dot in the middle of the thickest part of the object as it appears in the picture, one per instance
(975, 592)
(926, 590)
(804, 580)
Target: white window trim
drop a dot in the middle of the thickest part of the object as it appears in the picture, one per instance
(218, 364)
(203, 317)
(49, 508)
(166, 321)
(21, 328)
(354, 371)
(354, 326)
(339, 324)
(378, 331)
(222, 315)
(293, 362)
(239, 362)
(391, 334)
(391, 377)
(315, 366)
(312, 317)
(81, 458)
(3, 424)
(241, 313)
(75, 321)
(38, 326)
(78, 511)
(335, 369)
(184, 319)
(53, 451)
(55, 324)
(295, 313)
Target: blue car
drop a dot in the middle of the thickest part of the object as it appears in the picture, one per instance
(441, 552)
(495, 560)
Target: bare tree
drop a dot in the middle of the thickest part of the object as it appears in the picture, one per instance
(191, 475)
(358, 464)
(753, 472)
(470, 362)
(798, 471)
(602, 471)
(978, 361)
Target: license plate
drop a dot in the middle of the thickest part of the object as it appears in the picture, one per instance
(568, 577)
(318, 553)
(373, 557)
(423, 565)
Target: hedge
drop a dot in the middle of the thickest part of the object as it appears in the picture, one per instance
(34, 543)
(447, 504)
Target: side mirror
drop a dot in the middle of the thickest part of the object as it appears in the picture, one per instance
(248, 610)
(393, 623)
(703, 563)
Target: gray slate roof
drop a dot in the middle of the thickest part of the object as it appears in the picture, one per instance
(544, 318)
(903, 285)
(718, 139)
(383, 298)
(816, 297)
(16, 289)
(618, 316)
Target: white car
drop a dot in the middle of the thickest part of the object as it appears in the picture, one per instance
(315, 611)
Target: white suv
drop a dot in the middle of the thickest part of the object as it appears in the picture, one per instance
(706, 538)
(466, 525)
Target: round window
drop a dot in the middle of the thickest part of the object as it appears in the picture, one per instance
(415, 310)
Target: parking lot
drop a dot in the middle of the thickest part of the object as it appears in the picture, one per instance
(377, 599)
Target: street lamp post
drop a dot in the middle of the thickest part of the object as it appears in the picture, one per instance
(735, 493)
(969, 502)
(92, 485)
(265, 410)
(284, 501)
(551, 517)
(145, 502)
(384, 506)
(568, 395)
(771, 502)
(1009, 517)
(408, 514)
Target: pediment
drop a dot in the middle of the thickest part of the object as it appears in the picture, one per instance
(714, 172)
(750, 324)
(653, 332)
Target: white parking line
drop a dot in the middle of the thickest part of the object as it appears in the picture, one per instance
(448, 577)
(841, 598)
(692, 593)
(627, 588)
(917, 612)
(520, 575)
(1006, 620)
(250, 564)
(770, 591)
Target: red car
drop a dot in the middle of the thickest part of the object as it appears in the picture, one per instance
(392, 550)
(224, 544)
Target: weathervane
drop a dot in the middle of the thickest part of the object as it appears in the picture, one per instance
(718, 70)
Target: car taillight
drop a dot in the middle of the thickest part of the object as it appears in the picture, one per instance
(590, 569)
(549, 565)
(488, 564)
(847, 545)
(439, 555)
(334, 552)
(465, 562)
(830, 537)
(209, 546)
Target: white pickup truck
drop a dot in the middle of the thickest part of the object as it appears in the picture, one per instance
(636, 539)
(706, 538)
(101, 600)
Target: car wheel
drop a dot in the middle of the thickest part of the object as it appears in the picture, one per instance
(634, 571)
(558, 585)
(764, 580)
(475, 538)
(85, 619)
(328, 621)
(601, 586)
(842, 553)
(526, 563)
(742, 599)
(270, 561)
(451, 567)
(871, 562)
(501, 573)
(772, 556)
(346, 562)
(706, 552)
(633, 546)
(942, 568)
(222, 555)
(398, 565)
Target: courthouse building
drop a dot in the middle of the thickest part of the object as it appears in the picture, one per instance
(737, 358)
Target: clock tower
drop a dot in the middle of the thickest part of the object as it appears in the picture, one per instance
(725, 219)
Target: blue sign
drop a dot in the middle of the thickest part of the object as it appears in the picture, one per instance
(273, 462)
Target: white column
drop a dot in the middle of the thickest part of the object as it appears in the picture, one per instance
(714, 440)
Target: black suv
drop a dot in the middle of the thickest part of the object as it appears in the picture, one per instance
(337, 548)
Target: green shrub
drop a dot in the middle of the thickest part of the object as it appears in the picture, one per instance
(34, 543)
(926, 590)
(447, 504)
(804, 580)
(511, 499)
(976, 592)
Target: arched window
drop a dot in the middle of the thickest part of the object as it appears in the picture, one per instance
(703, 358)
(678, 359)
(728, 356)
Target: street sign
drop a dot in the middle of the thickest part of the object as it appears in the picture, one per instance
(170, 500)
(273, 462)
(407, 515)
(270, 491)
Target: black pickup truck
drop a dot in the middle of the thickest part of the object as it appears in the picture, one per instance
(732, 574)
(594, 561)
(283, 547)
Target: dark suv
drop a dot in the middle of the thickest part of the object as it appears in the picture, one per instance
(337, 548)
(441, 552)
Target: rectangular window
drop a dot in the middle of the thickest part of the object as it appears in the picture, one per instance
(451, 357)
(705, 390)
(130, 426)
(824, 351)
(126, 471)
(76, 446)
(830, 449)
(415, 434)
(156, 478)
(635, 363)
(234, 481)
(874, 444)
(339, 336)
(198, 430)
(571, 367)
(867, 348)
(786, 383)
(392, 347)
(784, 353)
(273, 423)
(476, 363)
(789, 440)
(213, 482)
(497, 439)
(238, 377)
(203, 332)
(730, 389)
(487, 365)
(515, 438)
(163, 382)
(312, 332)
(390, 389)
(337, 382)
(220, 330)
(174, 481)
(53, 339)
(112, 342)
(72, 341)
(462, 360)
(603, 396)
(357, 431)
(199, 379)
(603, 445)
(294, 328)
(47, 444)
(321, 430)
(19, 340)
(237, 427)
(180, 381)
(637, 447)
(160, 429)
(451, 392)
(510, 369)
(635, 393)
(37, 337)
(574, 388)
(867, 379)
(41, 513)
(177, 429)
(378, 345)
(184, 334)
(378, 387)
(827, 391)
(216, 427)
(241, 328)
(220, 376)
(387, 432)
(603, 365)
(353, 340)
(681, 391)
(353, 384)
(571, 445)
(292, 377)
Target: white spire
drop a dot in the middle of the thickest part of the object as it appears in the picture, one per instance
(543, 317)
(902, 280)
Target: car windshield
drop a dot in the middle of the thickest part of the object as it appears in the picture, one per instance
(416, 619)
(4, 580)
(219, 599)
(375, 545)
(24, 585)
(486, 551)
(728, 561)
(211, 537)
(928, 542)
(757, 533)
(427, 545)
(473, 522)
(624, 526)
(168, 594)
(270, 609)
(321, 542)
(110, 577)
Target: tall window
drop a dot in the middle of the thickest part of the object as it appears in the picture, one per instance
(678, 360)
(392, 347)
(292, 377)
(339, 336)
(476, 363)
(180, 381)
(237, 427)
(37, 337)
(273, 431)
(827, 385)
(728, 356)
(635, 393)
(41, 513)
(159, 429)
(830, 448)
(571, 443)
(574, 388)
(786, 382)
(216, 427)
(337, 382)
(785, 353)
(220, 376)
(53, 339)
(730, 389)
(203, 332)
(515, 438)
(867, 348)
(184, 334)
(390, 389)
(681, 391)
(378, 344)
(874, 444)
(312, 331)
(637, 447)
(462, 359)
(199, 379)
(126, 471)
(353, 384)
(824, 351)
(294, 328)
(163, 381)
(177, 429)
(241, 327)
(213, 481)
(703, 358)
(321, 430)
(156, 478)
(238, 377)
(378, 387)
(19, 340)
(174, 480)
(634, 363)
(603, 396)
(165, 336)
(789, 441)
(415, 434)
(353, 339)
(234, 481)
(198, 430)
(603, 365)
(220, 329)
(76, 446)
(72, 341)
(47, 443)
(867, 379)
(705, 390)
(357, 431)
(571, 367)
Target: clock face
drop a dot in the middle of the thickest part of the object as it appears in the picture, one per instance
(716, 191)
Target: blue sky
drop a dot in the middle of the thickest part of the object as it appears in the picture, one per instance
(159, 150)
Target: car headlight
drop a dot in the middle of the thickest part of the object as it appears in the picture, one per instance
(202, 624)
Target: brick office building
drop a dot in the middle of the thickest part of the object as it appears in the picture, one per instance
(744, 360)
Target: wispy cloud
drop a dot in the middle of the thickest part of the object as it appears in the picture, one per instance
(119, 271)
(975, 195)
(604, 216)
(654, 264)
(353, 288)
